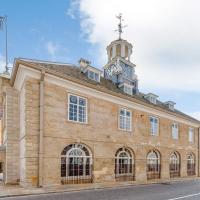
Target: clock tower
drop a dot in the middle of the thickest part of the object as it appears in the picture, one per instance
(119, 69)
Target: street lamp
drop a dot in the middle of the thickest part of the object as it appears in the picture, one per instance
(3, 23)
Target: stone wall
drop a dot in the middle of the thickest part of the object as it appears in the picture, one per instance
(12, 135)
(29, 135)
(103, 137)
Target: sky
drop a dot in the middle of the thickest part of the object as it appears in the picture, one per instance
(165, 37)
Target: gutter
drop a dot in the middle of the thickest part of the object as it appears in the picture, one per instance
(41, 131)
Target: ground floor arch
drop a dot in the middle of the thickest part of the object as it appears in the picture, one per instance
(153, 165)
(191, 164)
(175, 165)
(76, 164)
(124, 164)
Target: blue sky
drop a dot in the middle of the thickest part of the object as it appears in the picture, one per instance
(165, 37)
(43, 30)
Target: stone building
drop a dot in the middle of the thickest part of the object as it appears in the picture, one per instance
(67, 124)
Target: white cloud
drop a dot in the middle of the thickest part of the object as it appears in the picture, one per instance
(165, 37)
(72, 10)
(52, 48)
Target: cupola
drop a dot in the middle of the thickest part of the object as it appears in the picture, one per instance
(119, 48)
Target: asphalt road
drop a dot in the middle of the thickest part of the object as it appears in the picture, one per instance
(188, 190)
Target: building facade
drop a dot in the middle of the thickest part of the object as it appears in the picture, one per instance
(67, 124)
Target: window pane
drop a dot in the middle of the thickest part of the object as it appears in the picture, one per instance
(73, 99)
(125, 120)
(96, 77)
(128, 114)
(90, 74)
(77, 109)
(154, 125)
(122, 112)
(81, 114)
(82, 101)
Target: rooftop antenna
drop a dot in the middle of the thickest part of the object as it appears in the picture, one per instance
(120, 27)
(3, 23)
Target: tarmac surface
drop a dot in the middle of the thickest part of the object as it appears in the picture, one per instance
(186, 190)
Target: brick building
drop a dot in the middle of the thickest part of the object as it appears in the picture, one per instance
(65, 124)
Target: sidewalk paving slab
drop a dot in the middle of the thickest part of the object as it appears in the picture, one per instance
(16, 190)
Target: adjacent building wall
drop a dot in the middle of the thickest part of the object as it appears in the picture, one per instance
(29, 133)
(11, 131)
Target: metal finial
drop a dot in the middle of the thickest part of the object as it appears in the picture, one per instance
(120, 27)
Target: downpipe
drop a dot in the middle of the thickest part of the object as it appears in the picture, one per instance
(41, 131)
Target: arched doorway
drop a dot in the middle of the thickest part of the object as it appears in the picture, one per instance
(76, 164)
(124, 165)
(190, 165)
(153, 165)
(174, 165)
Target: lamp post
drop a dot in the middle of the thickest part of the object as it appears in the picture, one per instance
(3, 23)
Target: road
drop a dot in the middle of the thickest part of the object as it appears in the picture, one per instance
(188, 190)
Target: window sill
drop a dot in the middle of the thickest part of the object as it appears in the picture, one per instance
(76, 122)
(126, 131)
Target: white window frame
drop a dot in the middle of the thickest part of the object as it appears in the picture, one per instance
(128, 87)
(125, 129)
(93, 78)
(191, 134)
(152, 128)
(175, 131)
(153, 100)
(86, 109)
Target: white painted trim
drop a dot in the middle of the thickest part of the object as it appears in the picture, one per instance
(175, 123)
(122, 108)
(94, 72)
(191, 130)
(27, 72)
(86, 109)
(158, 126)
(23, 74)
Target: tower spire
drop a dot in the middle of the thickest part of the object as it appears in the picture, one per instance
(120, 27)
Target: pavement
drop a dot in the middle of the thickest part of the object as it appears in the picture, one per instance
(183, 189)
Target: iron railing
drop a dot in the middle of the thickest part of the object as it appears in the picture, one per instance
(1, 167)
(76, 174)
(191, 169)
(153, 171)
(174, 170)
(124, 172)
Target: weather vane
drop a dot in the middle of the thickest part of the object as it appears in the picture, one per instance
(120, 27)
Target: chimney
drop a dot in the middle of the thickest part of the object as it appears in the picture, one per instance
(83, 63)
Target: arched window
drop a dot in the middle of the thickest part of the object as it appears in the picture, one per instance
(174, 165)
(111, 52)
(190, 165)
(153, 165)
(124, 164)
(126, 51)
(118, 50)
(76, 164)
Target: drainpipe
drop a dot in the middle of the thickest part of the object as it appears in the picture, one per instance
(40, 164)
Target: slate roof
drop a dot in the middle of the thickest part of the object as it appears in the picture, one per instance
(73, 71)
